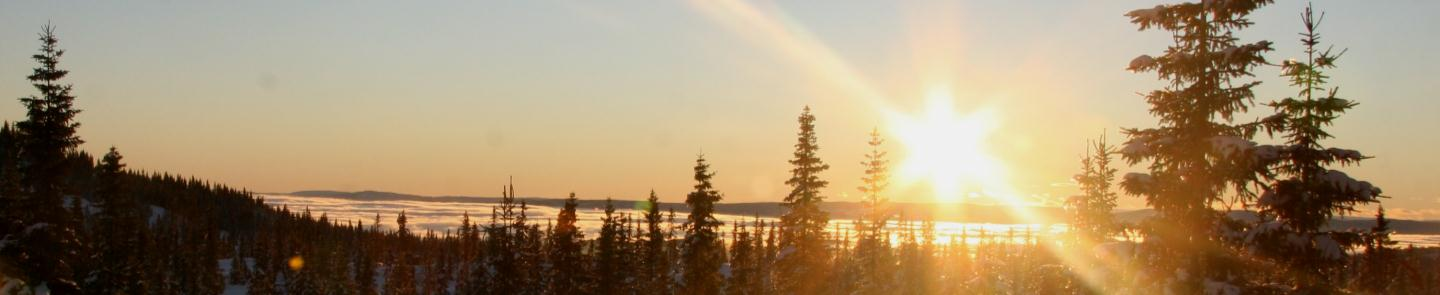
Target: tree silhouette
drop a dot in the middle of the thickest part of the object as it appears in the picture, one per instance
(803, 264)
(400, 278)
(45, 244)
(1196, 154)
(703, 253)
(120, 222)
(1092, 210)
(874, 262)
(568, 272)
(611, 266)
(657, 261)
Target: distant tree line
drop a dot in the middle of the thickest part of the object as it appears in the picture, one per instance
(74, 225)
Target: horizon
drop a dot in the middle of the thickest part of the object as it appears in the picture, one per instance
(328, 194)
(615, 100)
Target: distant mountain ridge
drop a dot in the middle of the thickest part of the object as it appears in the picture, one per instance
(842, 210)
(957, 212)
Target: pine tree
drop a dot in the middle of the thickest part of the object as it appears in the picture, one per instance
(364, 266)
(45, 244)
(1380, 233)
(262, 279)
(703, 252)
(1091, 211)
(510, 261)
(119, 218)
(873, 262)
(1303, 194)
(469, 244)
(529, 254)
(10, 189)
(568, 273)
(610, 266)
(437, 272)
(1377, 272)
(400, 278)
(202, 273)
(745, 272)
(1196, 152)
(656, 260)
(239, 271)
(803, 264)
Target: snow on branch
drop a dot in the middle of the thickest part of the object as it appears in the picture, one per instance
(1142, 63)
(1230, 145)
(1345, 183)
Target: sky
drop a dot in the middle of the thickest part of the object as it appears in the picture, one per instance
(615, 99)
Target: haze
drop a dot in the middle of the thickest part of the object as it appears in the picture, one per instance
(616, 99)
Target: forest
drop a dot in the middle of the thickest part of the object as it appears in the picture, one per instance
(72, 224)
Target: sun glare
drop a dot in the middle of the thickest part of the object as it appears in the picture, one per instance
(948, 151)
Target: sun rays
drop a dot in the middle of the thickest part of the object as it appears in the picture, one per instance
(948, 150)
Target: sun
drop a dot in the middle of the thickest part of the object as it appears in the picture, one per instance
(948, 150)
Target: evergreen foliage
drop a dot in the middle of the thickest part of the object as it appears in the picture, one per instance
(43, 248)
(1092, 211)
(1301, 193)
(400, 277)
(804, 258)
(656, 274)
(569, 273)
(703, 253)
(120, 221)
(1194, 156)
(612, 268)
(137, 232)
(874, 264)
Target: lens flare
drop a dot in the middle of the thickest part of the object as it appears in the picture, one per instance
(296, 263)
(948, 150)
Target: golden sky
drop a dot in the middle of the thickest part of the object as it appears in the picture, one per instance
(615, 99)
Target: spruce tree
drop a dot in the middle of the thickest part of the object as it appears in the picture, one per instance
(1377, 271)
(1091, 211)
(364, 266)
(202, 273)
(876, 179)
(239, 271)
(610, 265)
(1196, 153)
(529, 255)
(746, 272)
(803, 265)
(469, 237)
(568, 273)
(510, 263)
(437, 272)
(873, 262)
(703, 252)
(656, 260)
(262, 279)
(400, 278)
(1302, 193)
(11, 193)
(119, 219)
(10, 189)
(44, 243)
